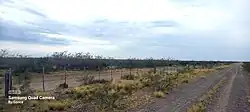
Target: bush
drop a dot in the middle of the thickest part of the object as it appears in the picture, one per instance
(203, 77)
(108, 98)
(59, 105)
(40, 106)
(91, 80)
(85, 92)
(128, 77)
(158, 94)
(98, 81)
(196, 108)
(185, 81)
(63, 85)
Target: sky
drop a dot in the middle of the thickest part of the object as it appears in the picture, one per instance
(181, 29)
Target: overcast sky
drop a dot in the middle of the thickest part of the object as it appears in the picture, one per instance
(183, 29)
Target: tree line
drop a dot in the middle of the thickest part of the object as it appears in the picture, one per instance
(82, 61)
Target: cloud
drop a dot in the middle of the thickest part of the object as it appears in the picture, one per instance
(11, 32)
(194, 29)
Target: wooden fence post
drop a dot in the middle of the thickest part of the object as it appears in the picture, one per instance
(121, 72)
(43, 81)
(130, 71)
(111, 74)
(10, 79)
(6, 84)
(84, 70)
(99, 72)
(65, 76)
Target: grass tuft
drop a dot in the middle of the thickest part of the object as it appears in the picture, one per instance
(158, 94)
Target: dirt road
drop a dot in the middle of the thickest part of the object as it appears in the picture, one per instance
(185, 95)
(232, 97)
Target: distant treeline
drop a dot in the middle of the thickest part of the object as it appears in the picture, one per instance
(59, 60)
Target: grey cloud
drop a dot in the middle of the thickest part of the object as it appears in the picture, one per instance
(34, 12)
(10, 32)
(164, 24)
(135, 39)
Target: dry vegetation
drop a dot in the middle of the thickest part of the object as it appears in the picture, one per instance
(92, 91)
(246, 67)
(200, 105)
(115, 95)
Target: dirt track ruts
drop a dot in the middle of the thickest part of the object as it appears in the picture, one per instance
(237, 101)
(183, 96)
(232, 96)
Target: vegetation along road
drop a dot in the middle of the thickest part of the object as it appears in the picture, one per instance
(221, 91)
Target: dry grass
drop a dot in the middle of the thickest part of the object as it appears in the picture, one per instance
(158, 94)
(114, 89)
(248, 99)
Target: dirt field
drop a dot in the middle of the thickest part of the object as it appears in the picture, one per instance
(52, 80)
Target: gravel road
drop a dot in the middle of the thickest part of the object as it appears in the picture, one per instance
(183, 96)
(237, 101)
(232, 96)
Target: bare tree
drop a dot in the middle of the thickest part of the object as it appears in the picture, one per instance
(4, 53)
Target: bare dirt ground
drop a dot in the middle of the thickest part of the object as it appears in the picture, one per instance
(185, 95)
(73, 78)
(54, 79)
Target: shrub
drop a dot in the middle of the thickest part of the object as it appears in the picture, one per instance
(185, 81)
(128, 77)
(33, 103)
(196, 108)
(91, 80)
(85, 92)
(41, 93)
(158, 94)
(56, 105)
(40, 107)
(203, 77)
(129, 88)
(63, 85)
(98, 81)
(108, 98)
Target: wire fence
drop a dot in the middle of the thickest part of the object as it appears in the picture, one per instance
(50, 81)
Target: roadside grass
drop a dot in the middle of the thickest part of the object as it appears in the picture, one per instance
(158, 94)
(248, 99)
(117, 95)
(246, 67)
(200, 105)
(221, 67)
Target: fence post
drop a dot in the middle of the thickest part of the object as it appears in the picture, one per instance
(130, 71)
(65, 76)
(43, 81)
(84, 70)
(154, 69)
(6, 80)
(10, 79)
(99, 72)
(121, 72)
(137, 71)
(111, 74)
